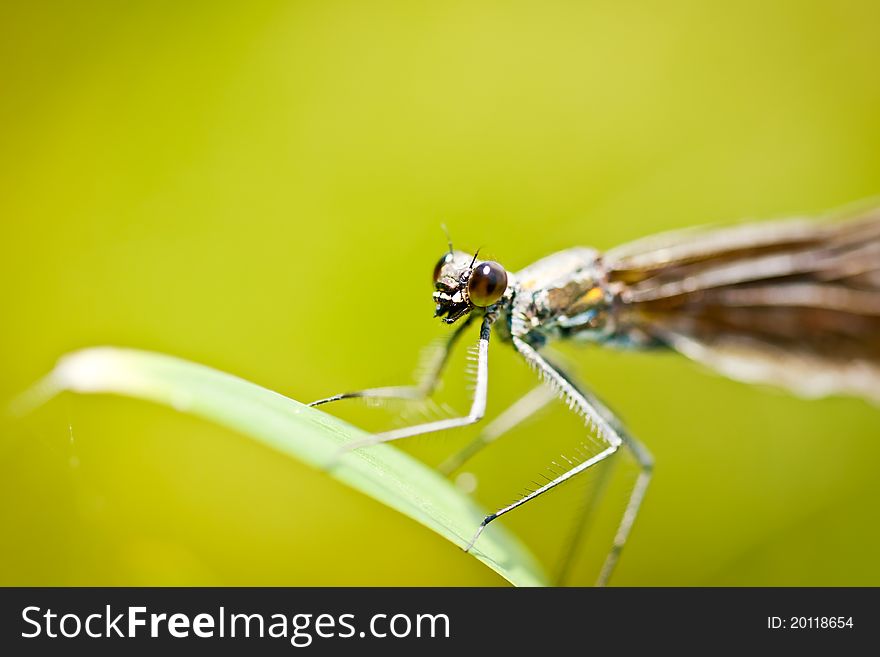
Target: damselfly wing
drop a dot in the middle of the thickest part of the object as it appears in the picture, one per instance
(794, 303)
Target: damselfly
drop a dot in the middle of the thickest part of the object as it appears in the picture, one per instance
(794, 303)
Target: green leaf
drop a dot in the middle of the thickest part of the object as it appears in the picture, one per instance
(383, 472)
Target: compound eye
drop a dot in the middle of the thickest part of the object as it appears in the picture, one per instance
(442, 261)
(486, 284)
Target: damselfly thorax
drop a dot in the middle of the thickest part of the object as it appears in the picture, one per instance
(794, 303)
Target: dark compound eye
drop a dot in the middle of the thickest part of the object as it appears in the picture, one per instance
(486, 284)
(442, 261)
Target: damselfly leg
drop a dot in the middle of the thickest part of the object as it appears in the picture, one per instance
(608, 430)
(606, 433)
(515, 414)
(644, 462)
(475, 414)
(423, 389)
(646, 467)
(609, 433)
(582, 522)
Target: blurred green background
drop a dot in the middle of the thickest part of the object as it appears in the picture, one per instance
(260, 187)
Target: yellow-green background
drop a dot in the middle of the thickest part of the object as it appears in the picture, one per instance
(259, 186)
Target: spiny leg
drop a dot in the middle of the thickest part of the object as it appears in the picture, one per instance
(426, 385)
(523, 408)
(584, 518)
(475, 414)
(646, 464)
(578, 401)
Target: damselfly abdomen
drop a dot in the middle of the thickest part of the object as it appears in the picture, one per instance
(794, 303)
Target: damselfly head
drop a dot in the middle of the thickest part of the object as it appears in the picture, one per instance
(462, 283)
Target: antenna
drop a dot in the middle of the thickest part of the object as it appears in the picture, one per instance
(475, 257)
(448, 238)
